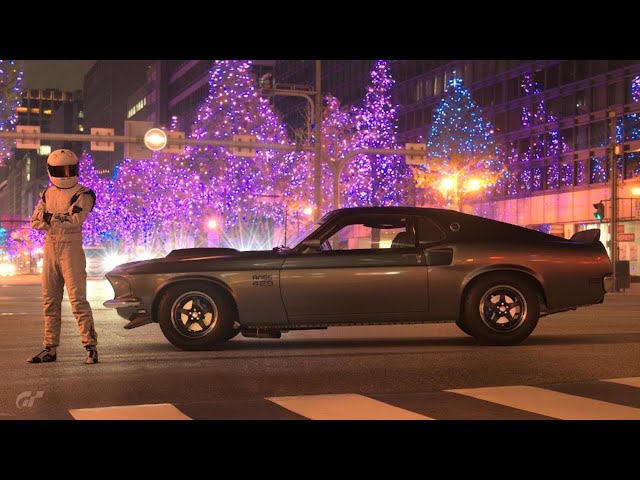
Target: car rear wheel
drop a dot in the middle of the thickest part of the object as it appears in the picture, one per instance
(501, 309)
(463, 327)
(195, 316)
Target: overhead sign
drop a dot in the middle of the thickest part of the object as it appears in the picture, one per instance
(242, 151)
(175, 145)
(102, 145)
(420, 158)
(137, 150)
(28, 144)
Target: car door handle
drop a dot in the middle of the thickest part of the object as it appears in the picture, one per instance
(412, 257)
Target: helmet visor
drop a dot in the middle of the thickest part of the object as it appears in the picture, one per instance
(63, 170)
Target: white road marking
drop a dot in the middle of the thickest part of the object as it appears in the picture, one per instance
(552, 404)
(159, 411)
(630, 381)
(347, 406)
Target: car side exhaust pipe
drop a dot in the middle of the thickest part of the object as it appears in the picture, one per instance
(261, 333)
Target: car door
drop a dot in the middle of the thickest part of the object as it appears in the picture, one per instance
(384, 281)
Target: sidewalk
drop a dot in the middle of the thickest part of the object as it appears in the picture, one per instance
(21, 279)
(31, 279)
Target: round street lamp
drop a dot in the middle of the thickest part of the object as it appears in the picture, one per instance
(155, 139)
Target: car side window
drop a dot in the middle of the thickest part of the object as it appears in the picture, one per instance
(376, 234)
(428, 232)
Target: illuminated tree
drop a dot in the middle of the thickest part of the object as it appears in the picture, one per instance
(240, 189)
(99, 228)
(10, 88)
(378, 180)
(463, 158)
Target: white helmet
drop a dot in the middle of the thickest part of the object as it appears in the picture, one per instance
(62, 166)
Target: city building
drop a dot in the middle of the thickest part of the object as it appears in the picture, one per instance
(25, 175)
(107, 87)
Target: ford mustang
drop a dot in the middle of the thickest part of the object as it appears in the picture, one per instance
(368, 266)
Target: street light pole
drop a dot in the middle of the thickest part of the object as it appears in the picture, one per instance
(613, 178)
(317, 161)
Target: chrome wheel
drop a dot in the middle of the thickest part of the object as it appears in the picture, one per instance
(194, 314)
(503, 308)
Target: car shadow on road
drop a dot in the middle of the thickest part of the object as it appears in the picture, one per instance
(252, 344)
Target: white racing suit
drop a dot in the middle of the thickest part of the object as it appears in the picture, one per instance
(61, 213)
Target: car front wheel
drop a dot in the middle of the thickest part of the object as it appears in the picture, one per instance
(195, 316)
(501, 310)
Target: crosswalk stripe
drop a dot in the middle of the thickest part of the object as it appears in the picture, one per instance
(551, 403)
(347, 406)
(159, 411)
(630, 381)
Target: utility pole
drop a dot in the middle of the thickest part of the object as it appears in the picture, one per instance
(317, 161)
(613, 178)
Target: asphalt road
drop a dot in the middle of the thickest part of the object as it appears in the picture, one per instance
(564, 370)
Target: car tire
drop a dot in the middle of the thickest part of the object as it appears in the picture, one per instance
(501, 309)
(196, 316)
(463, 327)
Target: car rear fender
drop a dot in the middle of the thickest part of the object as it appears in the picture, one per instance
(517, 270)
(192, 278)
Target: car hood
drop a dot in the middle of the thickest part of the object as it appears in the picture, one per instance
(197, 259)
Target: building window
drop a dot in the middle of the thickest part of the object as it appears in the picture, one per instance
(418, 90)
(437, 85)
(524, 180)
(598, 170)
(552, 175)
(598, 134)
(537, 183)
(428, 87)
(552, 75)
(566, 174)
(631, 127)
(581, 172)
(500, 122)
(568, 72)
(569, 140)
(615, 93)
(44, 150)
(515, 120)
(632, 165)
(582, 137)
(599, 97)
(537, 150)
(582, 105)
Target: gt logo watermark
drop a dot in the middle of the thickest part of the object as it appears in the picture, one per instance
(26, 399)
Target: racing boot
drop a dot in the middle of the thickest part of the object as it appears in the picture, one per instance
(45, 356)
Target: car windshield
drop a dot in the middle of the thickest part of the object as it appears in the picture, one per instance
(298, 238)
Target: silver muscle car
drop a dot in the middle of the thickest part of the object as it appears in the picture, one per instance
(365, 266)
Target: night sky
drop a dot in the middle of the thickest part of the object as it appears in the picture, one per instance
(61, 74)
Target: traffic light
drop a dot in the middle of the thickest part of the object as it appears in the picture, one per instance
(599, 213)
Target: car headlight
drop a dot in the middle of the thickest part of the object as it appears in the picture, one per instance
(121, 287)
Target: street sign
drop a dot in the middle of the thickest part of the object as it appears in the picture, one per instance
(103, 146)
(138, 129)
(242, 151)
(28, 144)
(626, 237)
(174, 145)
(420, 158)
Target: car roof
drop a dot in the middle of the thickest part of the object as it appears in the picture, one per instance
(401, 209)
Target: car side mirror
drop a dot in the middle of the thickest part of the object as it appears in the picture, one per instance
(314, 243)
